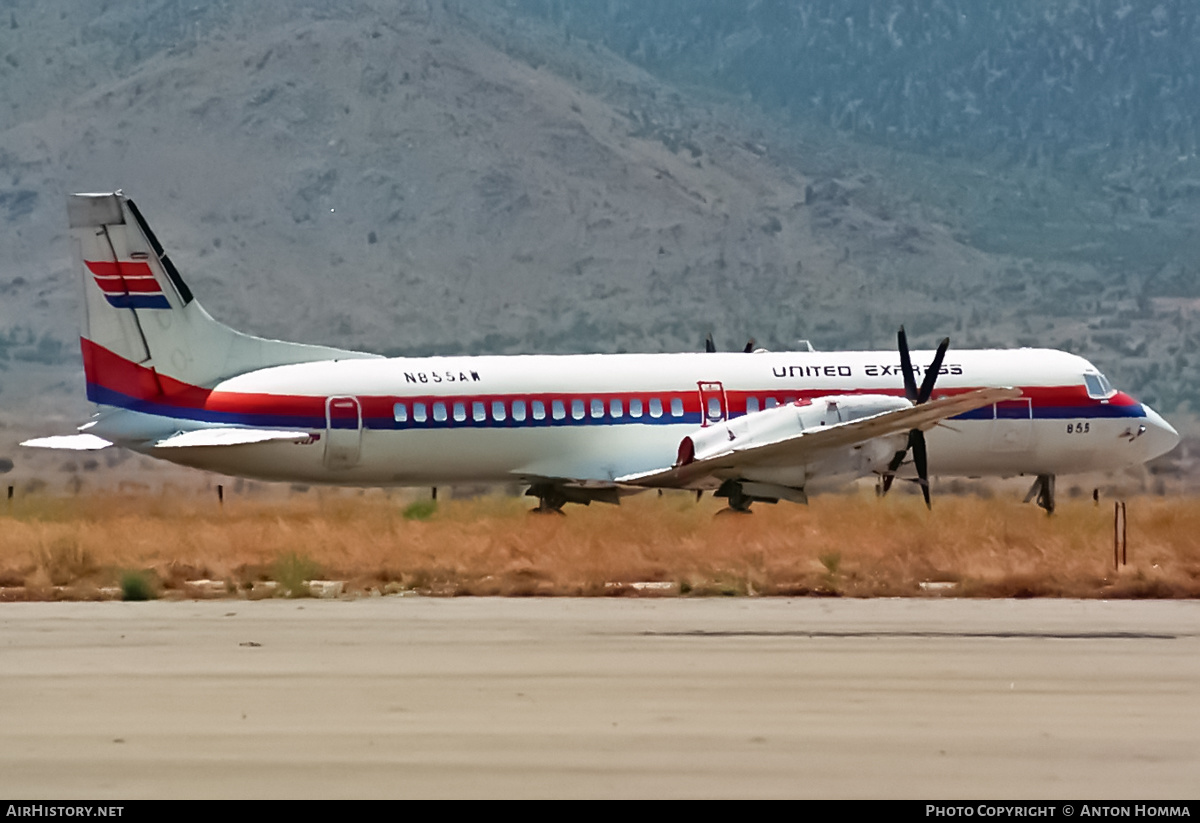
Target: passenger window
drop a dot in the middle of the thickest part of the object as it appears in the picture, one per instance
(518, 410)
(635, 407)
(714, 408)
(614, 408)
(577, 409)
(477, 411)
(676, 407)
(751, 405)
(772, 402)
(439, 412)
(419, 412)
(597, 407)
(400, 413)
(539, 410)
(460, 412)
(558, 409)
(655, 407)
(498, 410)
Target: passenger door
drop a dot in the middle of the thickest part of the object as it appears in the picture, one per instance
(343, 432)
(713, 405)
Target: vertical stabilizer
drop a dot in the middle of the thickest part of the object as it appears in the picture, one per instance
(138, 310)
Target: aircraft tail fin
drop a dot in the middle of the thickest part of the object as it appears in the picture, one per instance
(138, 310)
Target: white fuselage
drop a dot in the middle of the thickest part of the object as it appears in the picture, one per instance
(428, 421)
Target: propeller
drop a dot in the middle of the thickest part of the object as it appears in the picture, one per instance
(711, 347)
(916, 396)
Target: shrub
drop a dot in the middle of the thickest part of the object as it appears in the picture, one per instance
(293, 571)
(420, 510)
(137, 586)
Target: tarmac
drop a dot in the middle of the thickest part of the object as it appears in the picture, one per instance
(605, 697)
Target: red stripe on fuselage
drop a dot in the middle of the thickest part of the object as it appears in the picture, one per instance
(110, 371)
(103, 368)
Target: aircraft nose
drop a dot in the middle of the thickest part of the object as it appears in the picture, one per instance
(1160, 436)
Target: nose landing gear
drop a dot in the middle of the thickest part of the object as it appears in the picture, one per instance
(1043, 490)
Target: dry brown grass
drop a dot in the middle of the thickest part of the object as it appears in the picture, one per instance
(851, 545)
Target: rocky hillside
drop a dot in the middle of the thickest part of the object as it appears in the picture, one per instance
(1097, 95)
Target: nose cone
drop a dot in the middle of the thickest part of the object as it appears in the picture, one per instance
(1160, 436)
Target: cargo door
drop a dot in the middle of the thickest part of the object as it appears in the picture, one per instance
(1012, 426)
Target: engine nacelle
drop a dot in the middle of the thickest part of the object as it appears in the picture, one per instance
(782, 423)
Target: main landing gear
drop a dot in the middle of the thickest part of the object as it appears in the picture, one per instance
(1043, 490)
(741, 493)
(553, 496)
(550, 498)
(739, 502)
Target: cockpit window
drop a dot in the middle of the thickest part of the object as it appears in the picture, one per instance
(1098, 386)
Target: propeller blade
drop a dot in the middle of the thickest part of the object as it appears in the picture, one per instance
(916, 441)
(910, 382)
(931, 374)
(916, 437)
(891, 469)
(709, 345)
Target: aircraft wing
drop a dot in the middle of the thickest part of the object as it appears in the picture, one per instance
(815, 443)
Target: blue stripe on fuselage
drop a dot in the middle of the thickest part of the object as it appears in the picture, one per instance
(1093, 412)
(108, 397)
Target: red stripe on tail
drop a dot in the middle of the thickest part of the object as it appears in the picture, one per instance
(120, 268)
(128, 285)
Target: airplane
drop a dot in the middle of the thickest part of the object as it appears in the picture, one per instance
(750, 426)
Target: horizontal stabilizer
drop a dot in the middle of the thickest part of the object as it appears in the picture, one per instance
(228, 437)
(73, 442)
